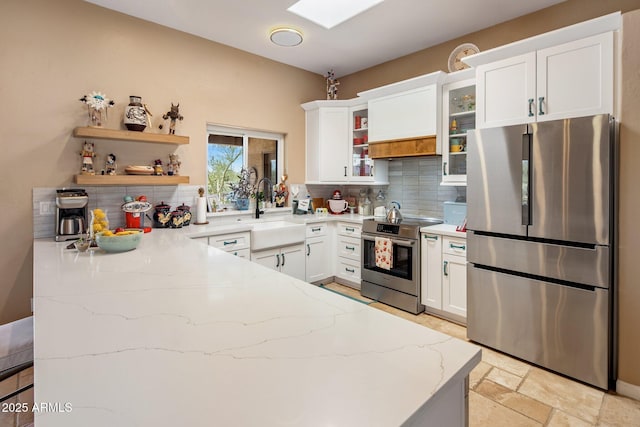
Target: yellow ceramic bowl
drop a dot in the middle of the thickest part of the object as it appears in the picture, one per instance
(118, 243)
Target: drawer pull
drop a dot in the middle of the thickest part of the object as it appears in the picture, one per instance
(232, 242)
(430, 237)
(350, 270)
(452, 246)
(316, 229)
(350, 229)
(350, 248)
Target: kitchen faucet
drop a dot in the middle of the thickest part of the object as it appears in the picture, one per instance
(258, 211)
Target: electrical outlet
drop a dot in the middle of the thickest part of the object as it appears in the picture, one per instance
(47, 208)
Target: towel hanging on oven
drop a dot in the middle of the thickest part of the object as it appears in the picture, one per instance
(384, 253)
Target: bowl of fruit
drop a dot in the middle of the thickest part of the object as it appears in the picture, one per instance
(120, 240)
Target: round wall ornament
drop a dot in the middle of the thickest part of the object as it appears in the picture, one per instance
(455, 58)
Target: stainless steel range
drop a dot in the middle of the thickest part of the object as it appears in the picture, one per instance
(397, 283)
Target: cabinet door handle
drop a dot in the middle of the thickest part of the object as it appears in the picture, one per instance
(231, 242)
(278, 260)
(426, 236)
(345, 171)
(308, 249)
(283, 260)
(530, 105)
(540, 101)
(452, 246)
(444, 269)
(444, 168)
(235, 253)
(350, 270)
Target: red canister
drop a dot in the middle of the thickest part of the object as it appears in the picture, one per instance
(358, 122)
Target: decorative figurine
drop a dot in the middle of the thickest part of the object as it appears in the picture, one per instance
(173, 167)
(174, 115)
(87, 154)
(97, 103)
(157, 168)
(110, 164)
(281, 192)
(332, 85)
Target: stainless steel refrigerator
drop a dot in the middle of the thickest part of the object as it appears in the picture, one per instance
(540, 275)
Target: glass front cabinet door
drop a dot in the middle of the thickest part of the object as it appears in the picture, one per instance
(361, 164)
(459, 116)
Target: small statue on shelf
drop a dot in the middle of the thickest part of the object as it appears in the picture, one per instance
(110, 165)
(97, 103)
(173, 167)
(157, 167)
(173, 114)
(332, 85)
(87, 154)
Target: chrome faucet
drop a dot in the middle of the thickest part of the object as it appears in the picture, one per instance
(258, 211)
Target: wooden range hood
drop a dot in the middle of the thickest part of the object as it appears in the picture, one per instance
(410, 147)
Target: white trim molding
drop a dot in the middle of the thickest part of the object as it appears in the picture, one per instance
(628, 390)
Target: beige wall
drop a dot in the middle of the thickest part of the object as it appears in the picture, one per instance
(53, 52)
(435, 58)
(629, 203)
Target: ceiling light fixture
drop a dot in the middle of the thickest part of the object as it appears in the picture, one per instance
(329, 13)
(286, 37)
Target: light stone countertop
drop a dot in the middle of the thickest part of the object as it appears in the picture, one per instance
(444, 230)
(178, 333)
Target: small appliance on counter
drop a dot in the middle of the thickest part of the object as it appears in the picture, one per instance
(336, 204)
(71, 214)
(135, 211)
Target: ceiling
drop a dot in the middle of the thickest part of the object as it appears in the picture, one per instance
(387, 31)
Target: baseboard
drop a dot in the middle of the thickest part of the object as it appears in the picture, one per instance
(628, 390)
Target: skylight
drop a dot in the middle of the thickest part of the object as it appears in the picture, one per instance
(329, 13)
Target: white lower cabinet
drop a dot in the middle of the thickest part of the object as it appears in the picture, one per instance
(289, 260)
(349, 257)
(318, 263)
(235, 243)
(454, 276)
(444, 276)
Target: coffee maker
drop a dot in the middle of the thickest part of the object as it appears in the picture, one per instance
(71, 213)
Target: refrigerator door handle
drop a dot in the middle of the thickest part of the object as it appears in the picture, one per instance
(526, 175)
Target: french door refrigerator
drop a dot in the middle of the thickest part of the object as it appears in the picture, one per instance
(540, 274)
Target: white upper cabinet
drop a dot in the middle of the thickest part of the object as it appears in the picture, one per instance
(569, 80)
(575, 79)
(327, 141)
(403, 115)
(337, 149)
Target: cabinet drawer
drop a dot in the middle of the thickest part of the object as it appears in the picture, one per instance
(348, 269)
(319, 229)
(454, 246)
(349, 247)
(241, 253)
(349, 229)
(231, 242)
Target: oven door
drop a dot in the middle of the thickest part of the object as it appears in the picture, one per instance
(403, 275)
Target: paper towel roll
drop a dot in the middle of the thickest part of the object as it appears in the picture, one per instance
(201, 210)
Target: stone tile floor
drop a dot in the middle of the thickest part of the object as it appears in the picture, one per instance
(509, 392)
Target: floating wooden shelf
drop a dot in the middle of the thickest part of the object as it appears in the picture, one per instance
(125, 135)
(130, 180)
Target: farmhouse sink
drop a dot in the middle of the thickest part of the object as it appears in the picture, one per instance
(272, 234)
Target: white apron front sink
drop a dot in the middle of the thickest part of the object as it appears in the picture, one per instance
(273, 234)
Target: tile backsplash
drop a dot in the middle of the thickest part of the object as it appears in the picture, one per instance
(414, 182)
(111, 200)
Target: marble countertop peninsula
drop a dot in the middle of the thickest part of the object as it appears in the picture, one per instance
(177, 333)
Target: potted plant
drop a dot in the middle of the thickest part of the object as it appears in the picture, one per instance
(242, 190)
(260, 199)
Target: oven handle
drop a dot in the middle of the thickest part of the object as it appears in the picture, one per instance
(406, 243)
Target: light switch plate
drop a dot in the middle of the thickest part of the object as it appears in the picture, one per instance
(47, 208)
